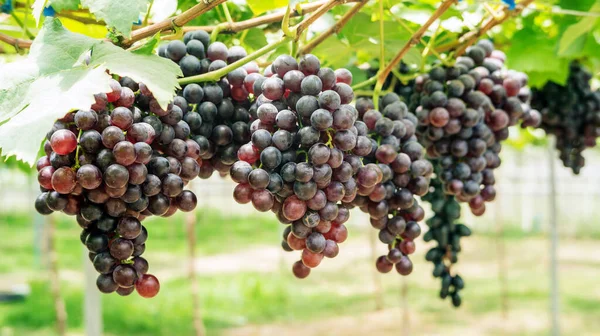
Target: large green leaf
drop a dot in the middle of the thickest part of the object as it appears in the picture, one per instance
(261, 6)
(574, 35)
(117, 13)
(61, 5)
(534, 53)
(53, 80)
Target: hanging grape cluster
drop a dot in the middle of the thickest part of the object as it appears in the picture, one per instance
(394, 172)
(464, 115)
(298, 162)
(133, 158)
(444, 230)
(571, 112)
(112, 166)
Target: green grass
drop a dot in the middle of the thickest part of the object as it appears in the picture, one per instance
(337, 288)
(215, 233)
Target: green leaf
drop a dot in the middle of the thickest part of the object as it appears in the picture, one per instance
(53, 80)
(117, 13)
(534, 53)
(62, 5)
(159, 74)
(149, 46)
(255, 38)
(575, 34)
(261, 6)
(49, 97)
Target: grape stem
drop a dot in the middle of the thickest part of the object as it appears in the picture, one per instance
(333, 29)
(214, 76)
(177, 21)
(330, 138)
(361, 85)
(227, 14)
(147, 17)
(381, 36)
(77, 165)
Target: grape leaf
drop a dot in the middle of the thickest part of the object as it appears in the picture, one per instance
(576, 32)
(53, 80)
(117, 13)
(261, 6)
(255, 38)
(535, 54)
(61, 5)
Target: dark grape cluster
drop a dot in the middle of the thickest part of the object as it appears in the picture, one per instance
(299, 162)
(394, 172)
(464, 115)
(111, 166)
(218, 116)
(571, 112)
(447, 233)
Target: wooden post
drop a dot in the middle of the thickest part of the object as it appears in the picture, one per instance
(59, 304)
(501, 252)
(405, 309)
(554, 295)
(376, 276)
(92, 302)
(190, 221)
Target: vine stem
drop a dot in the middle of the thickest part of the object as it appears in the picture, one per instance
(470, 37)
(20, 23)
(368, 82)
(414, 40)
(236, 27)
(381, 36)
(216, 75)
(170, 23)
(333, 29)
(410, 31)
(317, 14)
(227, 14)
(494, 20)
(147, 17)
(15, 42)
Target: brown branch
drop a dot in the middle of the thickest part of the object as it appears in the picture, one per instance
(320, 11)
(333, 29)
(262, 20)
(82, 19)
(471, 37)
(414, 40)
(15, 42)
(171, 23)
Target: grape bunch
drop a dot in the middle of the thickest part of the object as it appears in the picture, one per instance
(218, 116)
(464, 115)
(572, 113)
(447, 233)
(298, 162)
(394, 172)
(113, 165)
